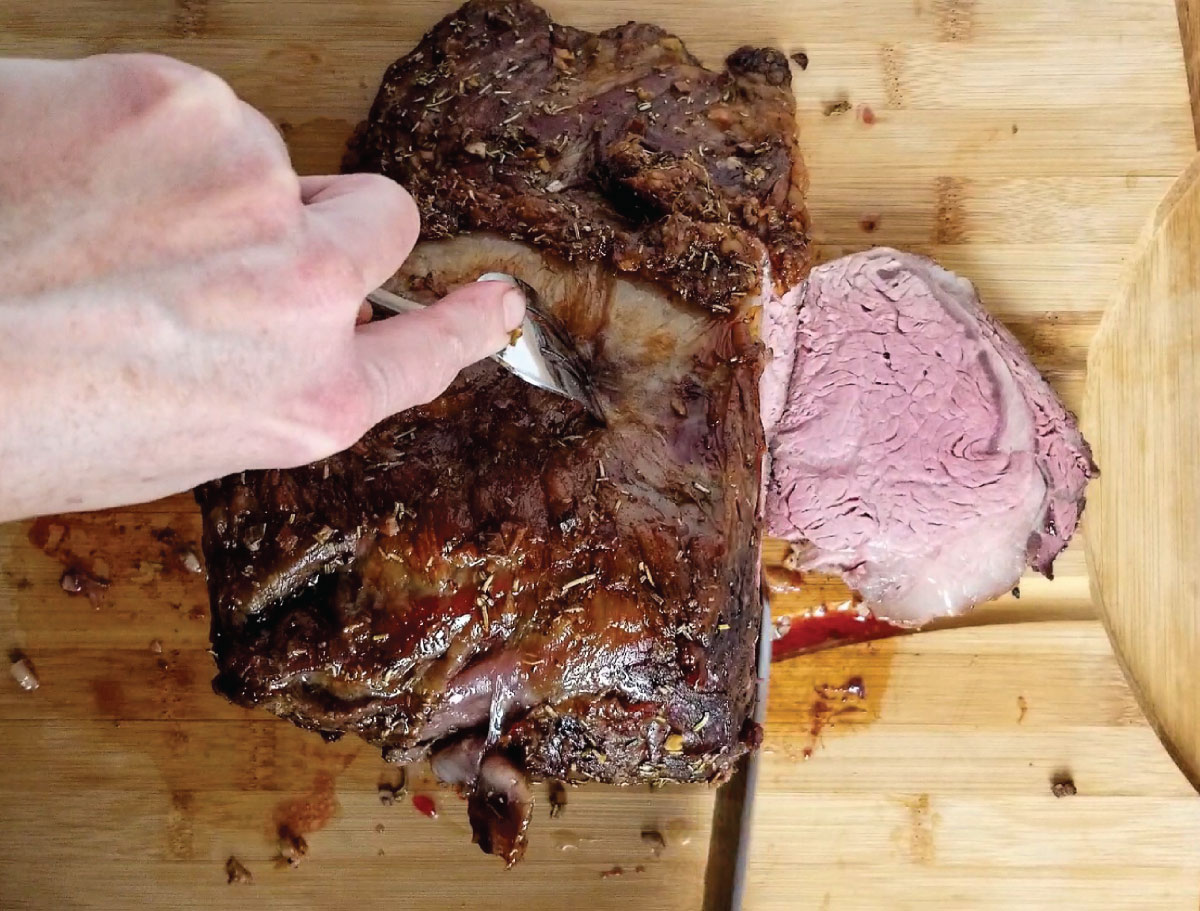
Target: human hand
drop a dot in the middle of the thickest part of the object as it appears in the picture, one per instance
(176, 304)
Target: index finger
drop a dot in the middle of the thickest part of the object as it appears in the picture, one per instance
(369, 217)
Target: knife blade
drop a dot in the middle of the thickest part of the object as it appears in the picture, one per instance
(733, 813)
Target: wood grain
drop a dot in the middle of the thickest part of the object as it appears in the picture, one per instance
(1143, 414)
(1022, 143)
(937, 791)
(125, 780)
(1189, 33)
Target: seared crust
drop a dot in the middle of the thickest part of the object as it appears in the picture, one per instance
(600, 581)
(618, 148)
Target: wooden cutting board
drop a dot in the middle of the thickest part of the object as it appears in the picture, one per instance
(1143, 409)
(1022, 142)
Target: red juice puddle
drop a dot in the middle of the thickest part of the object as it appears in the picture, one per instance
(798, 635)
(310, 811)
(425, 805)
(835, 706)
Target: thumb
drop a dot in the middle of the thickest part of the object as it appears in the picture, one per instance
(410, 359)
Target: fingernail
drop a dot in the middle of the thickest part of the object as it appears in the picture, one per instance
(514, 308)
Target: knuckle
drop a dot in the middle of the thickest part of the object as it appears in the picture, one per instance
(432, 384)
(169, 78)
(207, 90)
(263, 211)
(263, 227)
(277, 190)
(383, 392)
(151, 71)
(434, 380)
(157, 88)
(263, 176)
(389, 386)
(456, 355)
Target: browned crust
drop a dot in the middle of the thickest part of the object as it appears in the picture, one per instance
(617, 147)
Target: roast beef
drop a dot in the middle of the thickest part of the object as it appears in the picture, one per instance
(914, 447)
(497, 578)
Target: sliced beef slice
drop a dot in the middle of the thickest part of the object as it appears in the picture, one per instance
(914, 448)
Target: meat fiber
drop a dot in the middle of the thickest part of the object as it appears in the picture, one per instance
(914, 447)
(496, 578)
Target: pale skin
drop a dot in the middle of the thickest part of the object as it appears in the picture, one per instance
(176, 304)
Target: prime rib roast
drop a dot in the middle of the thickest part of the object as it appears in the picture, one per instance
(498, 580)
(505, 584)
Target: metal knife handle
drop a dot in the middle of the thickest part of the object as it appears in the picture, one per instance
(393, 302)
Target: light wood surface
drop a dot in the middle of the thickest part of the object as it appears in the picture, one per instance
(1023, 143)
(127, 783)
(938, 793)
(1143, 415)
(1189, 33)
